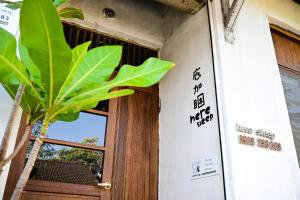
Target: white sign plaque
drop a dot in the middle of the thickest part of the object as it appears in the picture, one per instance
(203, 167)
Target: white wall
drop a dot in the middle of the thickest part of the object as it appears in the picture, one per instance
(182, 144)
(250, 93)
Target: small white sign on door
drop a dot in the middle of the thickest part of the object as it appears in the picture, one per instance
(203, 167)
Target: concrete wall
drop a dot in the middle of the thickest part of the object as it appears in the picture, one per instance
(134, 20)
(250, 93)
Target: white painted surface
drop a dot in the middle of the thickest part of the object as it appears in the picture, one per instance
(183, 144)
(251, 94)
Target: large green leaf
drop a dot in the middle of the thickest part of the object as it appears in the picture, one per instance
(69, 111)
(78, 54)
(96, 67)
(35, 74)
(42, 34)
(147, 74)
(67, 117)
(12, 70)
(71, 13)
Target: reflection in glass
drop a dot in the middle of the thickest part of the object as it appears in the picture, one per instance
(291, 86)
(59, 163)
(88, 125)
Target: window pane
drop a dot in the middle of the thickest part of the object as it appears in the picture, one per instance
(88, 128)
(291, 86)
(59, 163)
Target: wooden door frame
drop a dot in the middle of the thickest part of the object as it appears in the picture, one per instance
(275, 29)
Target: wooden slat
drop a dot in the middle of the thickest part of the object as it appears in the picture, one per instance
(99, 112)
(287, 49)
(67, 188)
(71, 144)
(56, 196)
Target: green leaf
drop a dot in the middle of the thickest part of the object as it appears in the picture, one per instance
(74, 107)
(78, 54)
(42, 34)
(149, 73)
(71, 13)
(96, 67)
(68, 117)
(145, 75)
(35, 74)
(115, 94)
(12, 70)
(28, 103)
(13, 5)
(59, 2)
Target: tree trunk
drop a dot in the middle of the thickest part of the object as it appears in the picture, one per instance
(10, 123)
(30, 162)
(18, 147)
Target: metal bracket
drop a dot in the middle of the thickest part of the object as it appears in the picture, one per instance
(230, 16)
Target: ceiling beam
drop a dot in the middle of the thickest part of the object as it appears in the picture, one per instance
(190, 6)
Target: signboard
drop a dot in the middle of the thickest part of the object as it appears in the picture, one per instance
(9, 19)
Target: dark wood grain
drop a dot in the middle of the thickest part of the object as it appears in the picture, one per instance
(287, 48)
(136, 154)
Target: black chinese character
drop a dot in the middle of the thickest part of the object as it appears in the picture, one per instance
(199, 102)
(196, 74)
(197, 88)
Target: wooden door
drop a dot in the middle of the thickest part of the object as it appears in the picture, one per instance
(129, 151)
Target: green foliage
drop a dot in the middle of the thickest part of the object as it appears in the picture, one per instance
(50, 152)
(12, 70)
(71, 13)
(64, 12)
(44, 40)
(59, 2)
(61, 81)
(13, 5)
(80, 155)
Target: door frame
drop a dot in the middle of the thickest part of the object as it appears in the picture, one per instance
(67, 188)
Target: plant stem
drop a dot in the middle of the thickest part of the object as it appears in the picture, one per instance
(30, 162)
(10, 124)
(18, 147)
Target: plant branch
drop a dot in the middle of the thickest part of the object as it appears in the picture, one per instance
(10, 124)
(19, 146)
(30, 162)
